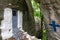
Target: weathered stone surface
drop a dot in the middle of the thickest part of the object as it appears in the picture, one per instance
(53, 1)
(58, 11)
(56, 6)
(51, 12)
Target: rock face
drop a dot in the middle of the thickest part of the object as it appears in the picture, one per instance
(51, 12)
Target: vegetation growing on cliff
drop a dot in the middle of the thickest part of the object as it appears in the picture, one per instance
(38, 14)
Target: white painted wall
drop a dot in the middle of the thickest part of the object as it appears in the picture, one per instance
(20, 16)
(7, 24)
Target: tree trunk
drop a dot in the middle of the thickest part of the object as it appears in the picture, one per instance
(51, 12)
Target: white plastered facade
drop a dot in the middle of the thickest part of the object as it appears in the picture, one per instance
(6, 23)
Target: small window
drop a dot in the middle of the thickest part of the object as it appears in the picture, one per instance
(14, 12)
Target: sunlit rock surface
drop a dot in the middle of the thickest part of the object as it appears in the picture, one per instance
(51, 12)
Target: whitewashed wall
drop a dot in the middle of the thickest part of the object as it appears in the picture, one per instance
(20, 16)
(6, 24)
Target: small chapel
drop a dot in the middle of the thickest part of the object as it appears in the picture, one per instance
(12, 23)
(15, 18)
